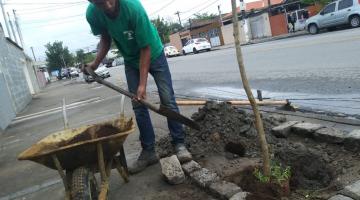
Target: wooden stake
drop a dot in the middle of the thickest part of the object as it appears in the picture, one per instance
(258, 121)
(121, 170)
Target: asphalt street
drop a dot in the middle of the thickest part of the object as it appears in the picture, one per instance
(307, 67)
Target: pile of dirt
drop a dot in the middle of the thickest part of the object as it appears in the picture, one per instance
(221, 126)
(318, 168)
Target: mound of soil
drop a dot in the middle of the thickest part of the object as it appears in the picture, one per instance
(223, 128)
(318, 168)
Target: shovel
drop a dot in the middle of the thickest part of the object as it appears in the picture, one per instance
(164, 111)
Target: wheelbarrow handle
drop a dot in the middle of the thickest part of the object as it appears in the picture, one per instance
(160, 110)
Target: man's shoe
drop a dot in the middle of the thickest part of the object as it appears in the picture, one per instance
(145, 159)
(182, 153)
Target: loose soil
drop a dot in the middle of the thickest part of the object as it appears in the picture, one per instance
(228, 144)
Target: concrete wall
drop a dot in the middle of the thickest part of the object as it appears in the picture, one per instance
(176, 41)
(278, 25)
(14, 84)
(228, 31)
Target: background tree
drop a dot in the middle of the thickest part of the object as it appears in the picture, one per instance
(175, 27)
(56, 55)
(163, 28)
(204, 16)
(80, 56)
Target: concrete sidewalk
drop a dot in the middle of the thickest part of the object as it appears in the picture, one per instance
(267, 39)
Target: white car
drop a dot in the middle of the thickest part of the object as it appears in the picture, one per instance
(196, 45)
(336, 13)
(171, 51)
(101, 71)
(74, 72)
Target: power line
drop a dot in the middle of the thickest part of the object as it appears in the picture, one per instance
(207, 6)
(43, 3)
(47, 8)
(166, 5)
(55, 19)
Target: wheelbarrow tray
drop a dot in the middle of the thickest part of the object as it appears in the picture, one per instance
(78, 147)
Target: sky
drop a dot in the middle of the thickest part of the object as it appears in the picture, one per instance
(44, 21)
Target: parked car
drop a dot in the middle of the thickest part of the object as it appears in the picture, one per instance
(171, 51)
(196, 45)
(101, 71)
(108, 62)
(337, 13)
(74, 72)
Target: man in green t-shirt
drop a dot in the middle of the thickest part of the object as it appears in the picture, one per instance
(127, 24)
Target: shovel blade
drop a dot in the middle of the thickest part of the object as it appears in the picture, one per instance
(177, 117)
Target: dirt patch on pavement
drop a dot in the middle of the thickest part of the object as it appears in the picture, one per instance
(228, 144)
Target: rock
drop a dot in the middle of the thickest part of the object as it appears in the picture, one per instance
(352, 190)
(224, 190)
(204, 177)
(306, 129)
(352, 141)
(240, 196)
(190, 167)
(283, 130)
(340, 197)
(171, 169)
(330, 135)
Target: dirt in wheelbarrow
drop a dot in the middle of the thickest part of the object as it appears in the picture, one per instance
(93, 133)
(228, 145)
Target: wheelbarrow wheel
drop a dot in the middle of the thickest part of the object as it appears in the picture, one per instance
(83, 184)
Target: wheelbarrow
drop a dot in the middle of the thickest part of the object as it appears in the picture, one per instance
(77, 154)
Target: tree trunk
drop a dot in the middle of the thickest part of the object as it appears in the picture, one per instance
(258, 121)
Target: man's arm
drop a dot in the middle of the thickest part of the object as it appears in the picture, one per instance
(144, 66)
(104, 47)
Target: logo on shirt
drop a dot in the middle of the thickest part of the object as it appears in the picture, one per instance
(129, 35)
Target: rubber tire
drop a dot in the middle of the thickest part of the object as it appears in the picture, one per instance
(83, 185)
(184, 53)
(316, 29)
(354, 18)
(195, 51)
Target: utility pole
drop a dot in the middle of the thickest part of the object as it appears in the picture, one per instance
(220, 17)
(12, 29)
(18, 28)
(5, 18)
(62, 58)
(32, 50)
(178, 14)
(190, 23)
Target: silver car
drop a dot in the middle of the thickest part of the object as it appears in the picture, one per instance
(337, 13)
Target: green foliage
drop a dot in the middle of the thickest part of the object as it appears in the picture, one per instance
(89, 57)
(320, 2)
(204, 16)
(277, 174)
(58, 56)
(80, 56)
(163, 29)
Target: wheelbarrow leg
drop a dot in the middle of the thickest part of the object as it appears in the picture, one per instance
(62, 175)
(104, 172)
(121, 165)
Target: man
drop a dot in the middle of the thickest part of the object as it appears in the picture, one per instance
(127, 24)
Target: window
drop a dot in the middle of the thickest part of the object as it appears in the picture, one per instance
(345, 4)
(329, 9)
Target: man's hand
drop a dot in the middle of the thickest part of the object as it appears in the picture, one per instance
(141, 93)
(91, 65)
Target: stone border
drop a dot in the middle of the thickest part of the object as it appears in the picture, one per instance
(318, 132)
(211, 182)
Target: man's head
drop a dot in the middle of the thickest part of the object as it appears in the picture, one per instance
(106, 5)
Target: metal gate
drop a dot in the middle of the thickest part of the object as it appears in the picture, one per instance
(257, 25)
(7, 112)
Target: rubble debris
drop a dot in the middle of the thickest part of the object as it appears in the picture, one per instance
(171, 169)
(204, 177)
(224, 190)
(283, 130)
(352, 190)
(306, 129)
(340, 197)
(190, 167)
(240, 196)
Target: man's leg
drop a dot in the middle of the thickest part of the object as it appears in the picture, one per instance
(159, 69)
(147, 136)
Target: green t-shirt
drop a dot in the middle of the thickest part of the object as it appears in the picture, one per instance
(131, 30)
